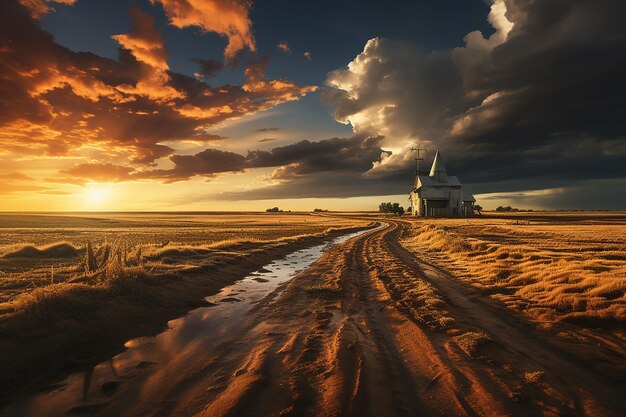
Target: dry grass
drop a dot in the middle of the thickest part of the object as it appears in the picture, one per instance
(54, 250)
(533, 377)
(563, 269)
(112, 270)
(78, 308)
(325, 291)
(44, 249)
(470, 342)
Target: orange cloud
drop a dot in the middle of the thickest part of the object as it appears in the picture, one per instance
(228, 18)
(144, 42)
(146, 45)
(284, 46)
(40, 7)
(277, 91)
(17, 182)
(133, 110)
(100, 172)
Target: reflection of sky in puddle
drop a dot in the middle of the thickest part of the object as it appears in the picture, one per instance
(152, 366)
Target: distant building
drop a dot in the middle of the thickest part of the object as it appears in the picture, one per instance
(439, 194)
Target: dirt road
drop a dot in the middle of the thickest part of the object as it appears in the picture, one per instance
(372, 330)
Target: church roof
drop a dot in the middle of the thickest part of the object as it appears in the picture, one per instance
(427, 181)
(468, 197)
(438, 165)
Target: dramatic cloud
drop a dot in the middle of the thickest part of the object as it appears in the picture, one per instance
(267, 129)
(396, 90)
(146, 45)
(348, 155)
(57, 102)
(228, 18)
(275, 91)
(539, 99)
(531, 110)
(144, 42)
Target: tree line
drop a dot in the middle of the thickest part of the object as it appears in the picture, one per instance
(389, 207)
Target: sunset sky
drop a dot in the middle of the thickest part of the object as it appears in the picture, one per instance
(245, 105)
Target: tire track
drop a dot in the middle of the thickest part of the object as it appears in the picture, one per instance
(571, 387)
(381, 342)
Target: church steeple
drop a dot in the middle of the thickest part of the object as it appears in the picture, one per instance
(438, 170)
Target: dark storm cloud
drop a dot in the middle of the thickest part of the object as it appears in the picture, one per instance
(541, 100)
(554, 89)
(322, 185)
(208, 67)
(54, 101)
(354, 154)
(206, 163)
(347, 156)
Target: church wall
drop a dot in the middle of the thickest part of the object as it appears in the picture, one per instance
(445, 201)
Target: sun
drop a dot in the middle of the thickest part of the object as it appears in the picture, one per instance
(96, 195)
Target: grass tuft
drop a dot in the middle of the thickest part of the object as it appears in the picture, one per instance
(533, 377)
(91, 263)
(471, 341)
(325, 291)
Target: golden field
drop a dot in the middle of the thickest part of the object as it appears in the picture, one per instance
(517, 314)
(83, 284)
(37, 250)
(557, 266)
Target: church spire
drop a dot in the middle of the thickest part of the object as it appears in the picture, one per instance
(438, 170)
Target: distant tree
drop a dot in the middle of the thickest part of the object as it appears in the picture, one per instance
(507, 208)
(318, 210)
(389, 207)
(478, 208)
(273, 210)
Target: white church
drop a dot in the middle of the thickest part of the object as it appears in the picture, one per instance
(439, 194)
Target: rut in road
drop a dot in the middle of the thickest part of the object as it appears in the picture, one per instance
(569, 386)
(370, 330)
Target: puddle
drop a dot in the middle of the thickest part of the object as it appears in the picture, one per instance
(151, 366)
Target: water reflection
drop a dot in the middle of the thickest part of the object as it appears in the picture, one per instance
(151, 367)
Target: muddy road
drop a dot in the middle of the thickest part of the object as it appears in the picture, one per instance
(369, 329)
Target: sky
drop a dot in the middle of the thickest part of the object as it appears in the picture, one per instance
(244, 105)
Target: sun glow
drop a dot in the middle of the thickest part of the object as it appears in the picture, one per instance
(96, 196)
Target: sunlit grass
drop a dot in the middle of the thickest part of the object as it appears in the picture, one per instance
(111, 250)
(553, 271)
